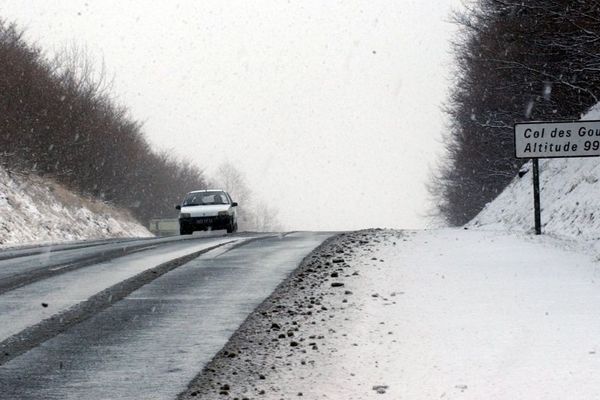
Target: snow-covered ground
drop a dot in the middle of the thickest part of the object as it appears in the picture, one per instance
(450, 314)
(37, 210)
(570, 189)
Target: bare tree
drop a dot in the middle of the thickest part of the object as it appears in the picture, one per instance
(59, 118)
(265, 217)
(253, 214)
(515, 61)
(233, 181)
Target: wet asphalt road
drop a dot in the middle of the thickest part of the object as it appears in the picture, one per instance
(22, 306)
(19, 267)
(153, 342)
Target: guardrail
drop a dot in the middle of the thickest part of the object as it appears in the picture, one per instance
(164, 227)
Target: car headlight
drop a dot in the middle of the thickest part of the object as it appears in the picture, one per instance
(223, 213)
(185, 215)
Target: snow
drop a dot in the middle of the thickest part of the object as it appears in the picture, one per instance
(451, 314)
(34, 209)
(569, 199)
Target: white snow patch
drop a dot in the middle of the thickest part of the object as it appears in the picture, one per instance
(469, 315)
(34, 210)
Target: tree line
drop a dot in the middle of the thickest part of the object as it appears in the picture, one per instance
(514, 61)
(254, 214)
(58, 118)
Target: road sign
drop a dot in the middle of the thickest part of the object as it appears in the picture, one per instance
(554, 140)
(557, 139)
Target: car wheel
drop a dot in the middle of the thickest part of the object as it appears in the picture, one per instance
(183, 231)
(231, 227)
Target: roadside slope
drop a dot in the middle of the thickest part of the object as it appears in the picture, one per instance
(569, 199)
(453, 314)
(33, 209)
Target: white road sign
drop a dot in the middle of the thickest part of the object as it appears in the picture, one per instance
(557, 139)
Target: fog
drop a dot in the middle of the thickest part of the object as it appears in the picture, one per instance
(331, 109)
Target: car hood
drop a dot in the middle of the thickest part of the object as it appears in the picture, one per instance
(205, 211)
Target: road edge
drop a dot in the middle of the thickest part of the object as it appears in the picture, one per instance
(202, 384)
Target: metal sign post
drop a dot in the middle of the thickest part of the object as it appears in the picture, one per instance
(536, 197)
(535, 140)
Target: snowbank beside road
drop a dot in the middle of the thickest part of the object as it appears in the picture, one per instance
(420, 315)
(33, 209)
(569, 199)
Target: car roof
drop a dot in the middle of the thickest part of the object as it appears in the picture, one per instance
(207, 190)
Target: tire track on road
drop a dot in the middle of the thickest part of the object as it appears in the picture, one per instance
(37, 334)
(21, 279)
(18, 280)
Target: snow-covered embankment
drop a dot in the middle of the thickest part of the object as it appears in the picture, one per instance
(34, 210)
(570, 193)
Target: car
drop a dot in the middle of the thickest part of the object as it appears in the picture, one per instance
(202, 210)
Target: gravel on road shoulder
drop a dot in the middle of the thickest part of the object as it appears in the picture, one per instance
(290, 328)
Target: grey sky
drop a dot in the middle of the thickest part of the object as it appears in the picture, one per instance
(331, 108)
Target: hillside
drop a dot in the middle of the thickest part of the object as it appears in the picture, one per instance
(60, 117)
(33, 209)
(569, 198)
(514, 61)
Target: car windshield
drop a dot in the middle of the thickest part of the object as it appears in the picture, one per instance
(205, 198)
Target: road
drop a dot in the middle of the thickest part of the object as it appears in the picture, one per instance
(134, 319)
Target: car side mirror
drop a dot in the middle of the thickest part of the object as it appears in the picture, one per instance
(234, 204)
(178, 207)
